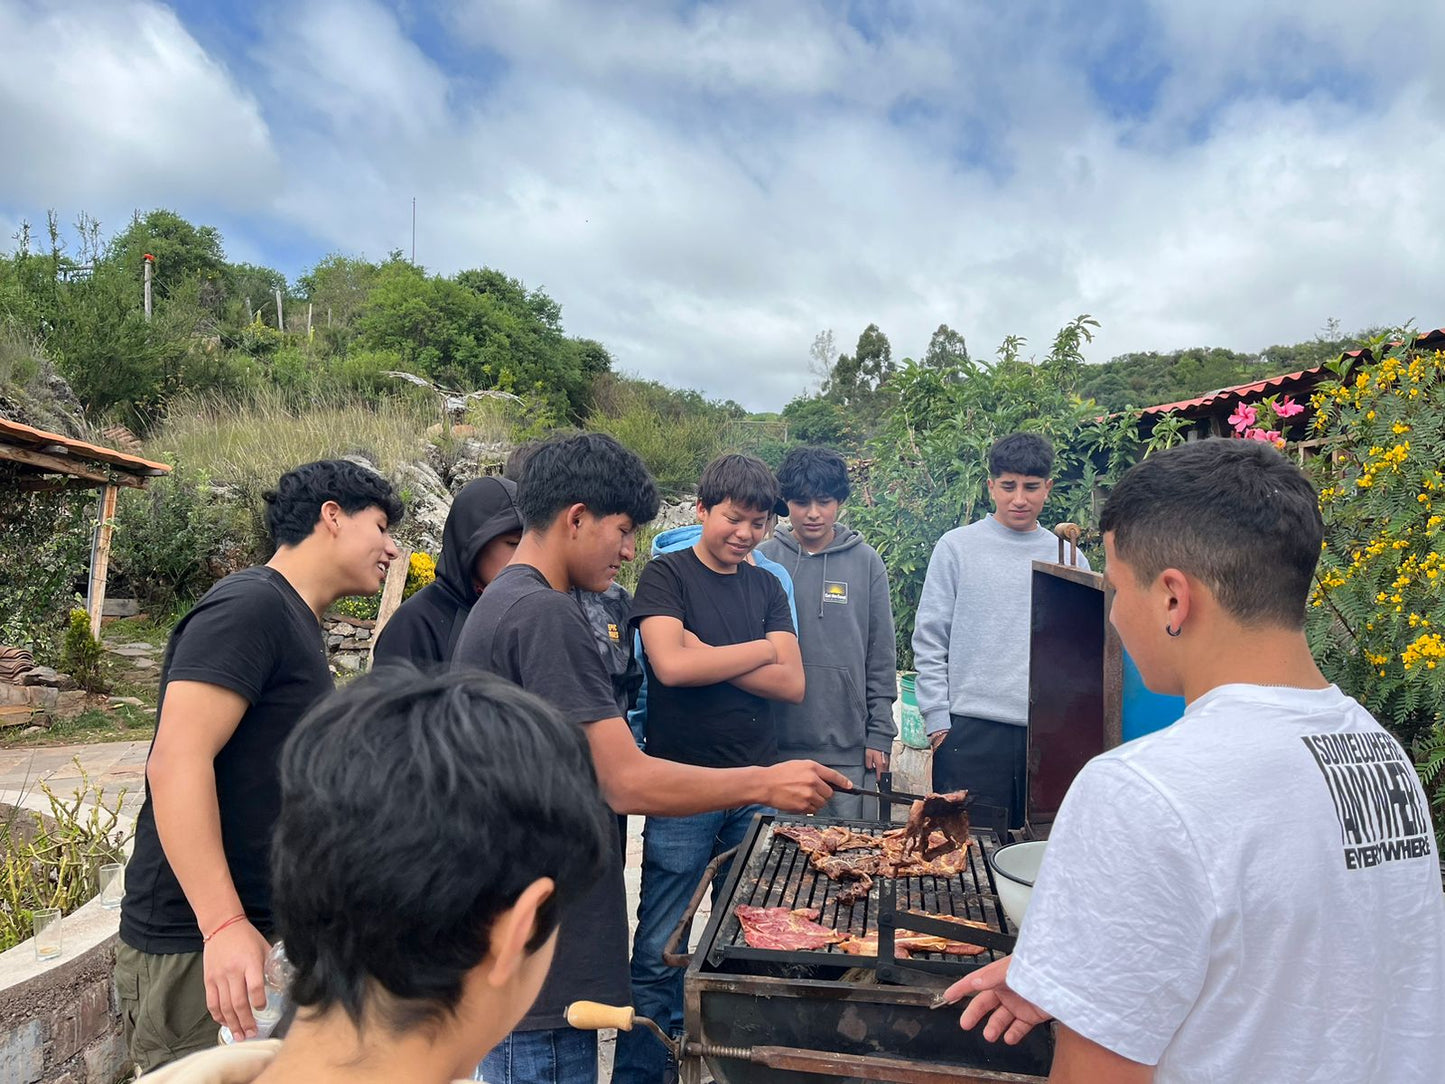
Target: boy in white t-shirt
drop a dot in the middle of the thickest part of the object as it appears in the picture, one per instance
(1253, 893)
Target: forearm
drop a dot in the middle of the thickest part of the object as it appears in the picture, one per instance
(188, 822)
(687, 666)
(777, 681)
(657, 787)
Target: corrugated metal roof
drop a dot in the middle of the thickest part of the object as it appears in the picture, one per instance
(1303, 380)
(1273, 384)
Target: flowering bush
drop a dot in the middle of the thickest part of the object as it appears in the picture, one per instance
(1265, 420)
(1378, 609)
(420, 571)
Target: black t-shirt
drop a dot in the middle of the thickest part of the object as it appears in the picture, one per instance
(253, 634)
(716, 726)
(539, 639)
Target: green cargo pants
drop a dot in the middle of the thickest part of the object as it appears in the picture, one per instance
(162, 1005)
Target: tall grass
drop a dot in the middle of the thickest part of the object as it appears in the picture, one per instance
(245, 446)
(252, 443)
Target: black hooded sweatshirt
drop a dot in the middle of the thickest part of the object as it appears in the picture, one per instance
(426, 627)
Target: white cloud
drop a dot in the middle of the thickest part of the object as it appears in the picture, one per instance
(110, 106)
(703, 191)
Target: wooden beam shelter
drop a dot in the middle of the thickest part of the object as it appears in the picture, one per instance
(34, 460)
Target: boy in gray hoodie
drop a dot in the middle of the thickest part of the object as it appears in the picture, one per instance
(845, 631)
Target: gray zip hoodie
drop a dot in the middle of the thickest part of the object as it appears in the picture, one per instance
(845, 632)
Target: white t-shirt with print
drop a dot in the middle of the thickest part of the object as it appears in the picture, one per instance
(1252, 894)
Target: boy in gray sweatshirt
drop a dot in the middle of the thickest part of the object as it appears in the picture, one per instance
(845, 631)
(971, 635)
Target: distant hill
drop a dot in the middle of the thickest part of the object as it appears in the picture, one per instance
(1145, 379)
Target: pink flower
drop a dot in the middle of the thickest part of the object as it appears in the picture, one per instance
(1243, 417)
(1288, 408)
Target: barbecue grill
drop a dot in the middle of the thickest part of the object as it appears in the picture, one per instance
(765, 1016)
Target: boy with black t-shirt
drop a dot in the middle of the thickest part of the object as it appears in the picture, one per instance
(582, 500)
(719, 648)
(239, 672)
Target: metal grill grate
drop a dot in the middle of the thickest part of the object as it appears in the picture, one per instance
(776, 873)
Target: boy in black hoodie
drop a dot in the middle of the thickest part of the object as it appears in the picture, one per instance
(845, 631)
(480, 536)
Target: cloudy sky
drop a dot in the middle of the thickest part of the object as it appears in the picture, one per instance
(705, 186)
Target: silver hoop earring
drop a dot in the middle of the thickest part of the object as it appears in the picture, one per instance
(1172, 631)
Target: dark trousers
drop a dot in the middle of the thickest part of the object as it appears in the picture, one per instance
(987, 759)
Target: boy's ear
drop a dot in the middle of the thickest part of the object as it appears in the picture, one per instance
(513, 929)
(330, 517)
(701, 510)
(1048, 488)
(573, 516)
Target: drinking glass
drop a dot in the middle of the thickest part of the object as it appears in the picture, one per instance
(112, 885)
(47, 933)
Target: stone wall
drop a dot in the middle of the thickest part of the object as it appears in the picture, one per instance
(63, 1026)
(348, 643)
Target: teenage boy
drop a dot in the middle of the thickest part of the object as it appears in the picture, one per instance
(239, 672)
(432, 828)
(582, 499)
(971, 635)
(681, 538)
(481, 532)
(1187, 921)
(719, 649)
(845, 630)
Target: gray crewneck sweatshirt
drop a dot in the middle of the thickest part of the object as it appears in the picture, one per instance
(971, 634)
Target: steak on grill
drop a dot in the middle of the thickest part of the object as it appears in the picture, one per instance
(906, 943)
(784, 929)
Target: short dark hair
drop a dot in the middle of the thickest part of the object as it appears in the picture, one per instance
(587, 468)
(810, 472)
(742, 479)
(415, 808)
(294, 506)
(515, 468)
(1236, 514)
(1021, 453)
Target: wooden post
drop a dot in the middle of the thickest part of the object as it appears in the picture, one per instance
(150, 263)
(280, 316)
(390, 597)
(100, 557)
(308, 321)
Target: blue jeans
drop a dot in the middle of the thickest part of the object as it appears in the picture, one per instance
(557, 1056)
(675, 852)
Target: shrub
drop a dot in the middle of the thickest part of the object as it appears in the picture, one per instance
(81, 653)
(168, 538)
(421, 570)
(53, 862)
(47, 547)
(1378, 612)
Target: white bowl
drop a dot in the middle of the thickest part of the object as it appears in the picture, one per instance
(1014, 868)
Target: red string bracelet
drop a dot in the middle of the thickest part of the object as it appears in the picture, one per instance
(229, 922)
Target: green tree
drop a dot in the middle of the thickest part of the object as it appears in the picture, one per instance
(182, 251)
(947, 352)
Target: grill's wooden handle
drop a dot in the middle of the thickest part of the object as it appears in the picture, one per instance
(593, 1016)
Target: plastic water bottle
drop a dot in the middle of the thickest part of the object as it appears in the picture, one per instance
(277, 977)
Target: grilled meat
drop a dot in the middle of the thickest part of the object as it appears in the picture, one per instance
(781, 928)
